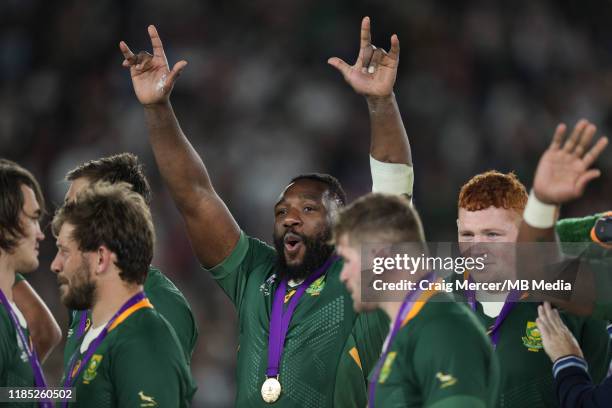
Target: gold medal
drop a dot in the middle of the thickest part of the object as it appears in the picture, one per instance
(270, 390)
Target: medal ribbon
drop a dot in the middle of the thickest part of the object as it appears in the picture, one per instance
(39, 377)
(410, 307)
(511, 300)
(136, 302)
(279, 321)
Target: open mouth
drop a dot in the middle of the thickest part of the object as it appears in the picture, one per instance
(292, 242)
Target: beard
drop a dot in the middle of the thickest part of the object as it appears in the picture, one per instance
(81, 292)
(317, 251)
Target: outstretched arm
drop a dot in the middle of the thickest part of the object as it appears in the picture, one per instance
(373, 75)
(44, 330)
(562, 175)
(212, 229)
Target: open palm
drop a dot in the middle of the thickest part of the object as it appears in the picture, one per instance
(151, 76)
(564, 169)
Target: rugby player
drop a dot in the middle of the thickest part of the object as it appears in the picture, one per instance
(437, 354)
(130, 355)
(320, 352)
(163, 294)
(491, 209)
(21, 207)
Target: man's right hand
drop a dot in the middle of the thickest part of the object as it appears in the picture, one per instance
(151, 75)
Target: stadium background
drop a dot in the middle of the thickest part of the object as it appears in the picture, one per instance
(481, 85)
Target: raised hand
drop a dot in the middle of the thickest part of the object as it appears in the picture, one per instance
(564, 169)
(374, 72)
(151, 75)
(557, 339)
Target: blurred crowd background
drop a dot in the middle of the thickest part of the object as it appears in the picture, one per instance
(481, 85)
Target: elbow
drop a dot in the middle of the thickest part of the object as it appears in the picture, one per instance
(47, 340)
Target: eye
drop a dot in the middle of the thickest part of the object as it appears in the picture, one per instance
(493, 235)
(281, 211)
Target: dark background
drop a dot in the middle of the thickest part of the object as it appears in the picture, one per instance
(481, 85)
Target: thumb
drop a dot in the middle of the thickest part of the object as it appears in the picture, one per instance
(585, 178)
(340, 65)
(176, 70)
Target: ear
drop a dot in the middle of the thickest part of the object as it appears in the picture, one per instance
(104, 260)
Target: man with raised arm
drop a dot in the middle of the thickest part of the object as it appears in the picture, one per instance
(301, 344)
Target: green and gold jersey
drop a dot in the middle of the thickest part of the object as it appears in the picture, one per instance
(526, 379)
(168, 301)
(328, 349)
(140, 363)
(440, 358)
(15, 368)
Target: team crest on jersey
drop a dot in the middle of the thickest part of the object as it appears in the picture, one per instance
(532, 339)
(266, 287)
(446, 380)
(146, 401)
(386, 368)
(316, 287)
(92, 369)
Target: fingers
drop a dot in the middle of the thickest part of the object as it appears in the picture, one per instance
(585, 179)
(129, 56)
(368, 53)
(143, 60)
(585, 140)
(575, 136)
(340, 65)
(558, 136)
(595, 151)
(158, 48)
(365, 40)
(543, 323)
(377, 57)
(176, 71)
(394, 51)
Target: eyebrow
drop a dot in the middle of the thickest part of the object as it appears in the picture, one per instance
(304, 196)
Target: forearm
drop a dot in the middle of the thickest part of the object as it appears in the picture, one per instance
(389, 141)
(574, 386)
(179, 164)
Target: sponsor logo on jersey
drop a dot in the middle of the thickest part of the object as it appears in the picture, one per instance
(386, 368)
(146, 401)
(92, 370)
(532, 339)
(316, 287)
(446, 380)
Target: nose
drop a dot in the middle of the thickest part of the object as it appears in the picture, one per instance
(292, 219)
(40, 236)
(56, 264)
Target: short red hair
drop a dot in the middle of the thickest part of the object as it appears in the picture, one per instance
(493, 188)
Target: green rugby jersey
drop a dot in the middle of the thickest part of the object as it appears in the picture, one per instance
(15, 368)
(578, 230)
(440, 358)
(168, 301)
(140, 363)
(526, 370)
(328, 349)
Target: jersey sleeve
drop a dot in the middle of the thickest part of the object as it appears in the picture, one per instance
(233, 273)
(148, 373)
(173, 306)
(452, 365)
(359, 357)
(595, 344)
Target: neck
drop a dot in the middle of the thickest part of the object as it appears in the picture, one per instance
(391, 309)
(7, 277)
(109, 299)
